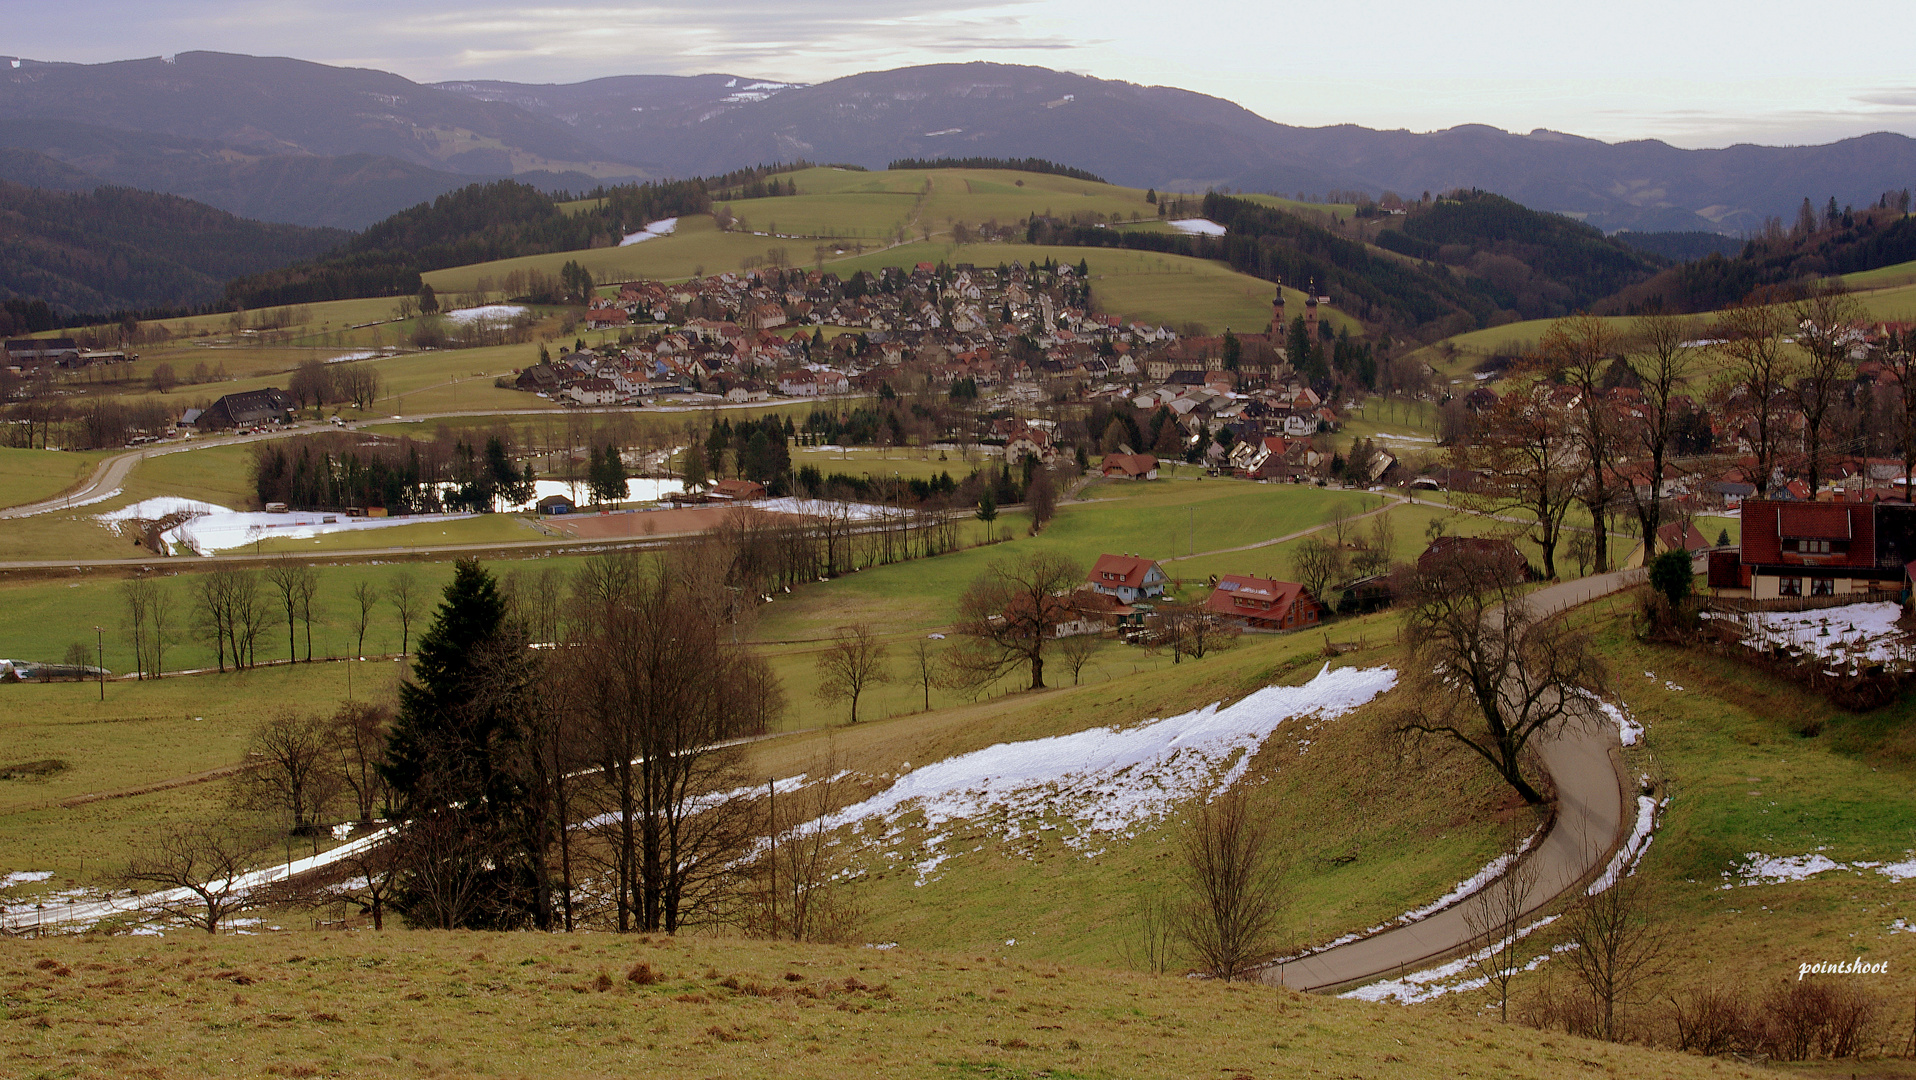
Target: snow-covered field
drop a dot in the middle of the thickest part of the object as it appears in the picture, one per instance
(490, 312)
(216, 528)
(1854, 633)
(819, 508)
(1198, 226)
(661, 227)
(1757, 868)
(1097, 785)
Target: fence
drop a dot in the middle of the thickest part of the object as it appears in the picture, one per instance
(1800, 603)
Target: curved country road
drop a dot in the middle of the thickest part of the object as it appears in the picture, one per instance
(1589, 822)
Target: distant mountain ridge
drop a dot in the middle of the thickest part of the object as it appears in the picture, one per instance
(290, 140)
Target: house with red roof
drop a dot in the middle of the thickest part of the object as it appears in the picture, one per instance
(1130, 467)
(1130, 578)
(1793, 549)
(1262, 604)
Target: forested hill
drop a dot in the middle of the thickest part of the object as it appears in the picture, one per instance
(479, 223)
(1821, 245)
(115, 249)
(1536, 264)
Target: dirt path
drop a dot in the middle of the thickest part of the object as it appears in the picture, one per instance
(1589, 822)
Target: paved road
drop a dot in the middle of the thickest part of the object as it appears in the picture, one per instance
(1589, 822)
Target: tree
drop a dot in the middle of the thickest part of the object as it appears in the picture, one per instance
(694, 470)
(139, 596)
(1489, 669)
(196, 874)
(1671, 576)
(1008, 615)
(925, 665)
(1317, 564)
(229, 609)
(1075, 651)
(806, 895)
(987, 506)
(607, 481)
(1495, 915)
(288, 768)
(428, 300)
(853, 663)
(1758, 372)
(1618, 939)
(1232, 877)
(358, 742)
(366, 595)
(406, 599)
(1577, 350)
(1526, 451)
(1828, 324)
(448, 756)
(1041, 498)
(289, 579)
(1661, 363)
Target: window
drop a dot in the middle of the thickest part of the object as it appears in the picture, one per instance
(1789, 586)
(1811, 547)
(1822, 586)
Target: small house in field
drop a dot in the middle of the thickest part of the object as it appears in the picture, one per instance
(1262, 603)
(555, 504)
(738, 490)
(1130, 467)
(1130, 578)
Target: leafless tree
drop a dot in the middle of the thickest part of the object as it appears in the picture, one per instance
(289, 768)
(1758, 372)
(925, 667)
(138, 595)
(1009, 614)
(1317, 564)
(853, 663)
(358, 743)
(1828, 325)
(1662, 364)
(286, 578)
(804, 896)
(304, 596)
(1232, 876)
(1495, 916)
(1041, 498)
(1075, 652)
(194, 873)
(1155, 925)
(371, 878)
(1578, 350)
(1524, 447)
(1489, 670)
(1618, 938)
(1898, 357)
(366, 595)
(1373, 556)
(408, 602)
(229, 610)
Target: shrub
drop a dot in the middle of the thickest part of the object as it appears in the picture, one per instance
(1670, 575)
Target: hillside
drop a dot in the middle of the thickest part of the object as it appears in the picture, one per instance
(112, 249)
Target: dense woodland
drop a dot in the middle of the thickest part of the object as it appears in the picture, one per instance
(1030, 165)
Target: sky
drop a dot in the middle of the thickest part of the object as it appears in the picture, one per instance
(1693, 73)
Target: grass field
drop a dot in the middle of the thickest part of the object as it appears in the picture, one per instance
(31, 475)
(524, 1005)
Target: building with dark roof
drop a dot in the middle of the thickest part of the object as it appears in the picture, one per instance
(247, 408)
(1793, 549)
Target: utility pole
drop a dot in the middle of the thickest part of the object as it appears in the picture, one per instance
(100, 641)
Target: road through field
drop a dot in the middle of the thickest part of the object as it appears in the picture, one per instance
(1588, 824)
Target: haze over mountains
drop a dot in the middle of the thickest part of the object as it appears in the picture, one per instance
(293, 141)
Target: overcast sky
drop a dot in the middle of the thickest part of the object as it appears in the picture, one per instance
(1690, 72)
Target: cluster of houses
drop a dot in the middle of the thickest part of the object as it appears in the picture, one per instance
(1121, 593)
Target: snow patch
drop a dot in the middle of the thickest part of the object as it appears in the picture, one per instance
(1760, 869)
(1854, 634)
(1198, 227)
(24, 877)
(489, 312)
(213, 528)
(661, 227)
(1625, 861)
(1098, 784)
(1444, 979)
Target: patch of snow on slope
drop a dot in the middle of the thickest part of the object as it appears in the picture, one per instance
(1853, 632)
(1443, 979)
(489, 312)
(1625, 861)
(1105, 780)
(661, 227)
(1471, 885)
(1198, 227)
(24, 877)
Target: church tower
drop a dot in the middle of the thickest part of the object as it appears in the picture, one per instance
(1277, 318)
(1310, 310)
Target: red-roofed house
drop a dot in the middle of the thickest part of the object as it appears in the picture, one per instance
(601, 317)
(1128, 577)
(738, 490)
(1262, 604)
(1818, 549)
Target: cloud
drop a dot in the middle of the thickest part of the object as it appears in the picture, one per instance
(1902, 97)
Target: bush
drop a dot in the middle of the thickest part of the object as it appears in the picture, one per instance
(1670, 575)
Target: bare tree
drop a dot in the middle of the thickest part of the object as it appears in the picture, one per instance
(1490, 671)
(195, 873)
(1317, 564)
(408, 602)
(1041, 498)
(925, 666)
(1578, 350)
(1232, 876)
(1009, 614)
(138, 595)
(1828, 325)
(1154, 931)
(1523, 447)
(853, 663)
(1618, 938)
(1495, 916)
(372, 878)
(366, 595)
(1075, 652)
(289, 768)
(1898, 357)
(1662, 365)
(286, 578)
(229, 610)
(805, 896)
(358, 743)
(1373, 556)
(1757, 374)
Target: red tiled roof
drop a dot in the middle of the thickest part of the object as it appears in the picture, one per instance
(1767, 523)
(1253, 597)
(1117, 570)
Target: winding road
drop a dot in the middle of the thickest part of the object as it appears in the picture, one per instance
(1584, 764)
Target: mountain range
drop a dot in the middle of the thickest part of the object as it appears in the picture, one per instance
(295, 141)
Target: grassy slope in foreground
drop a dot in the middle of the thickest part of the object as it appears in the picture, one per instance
(412, 1003)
